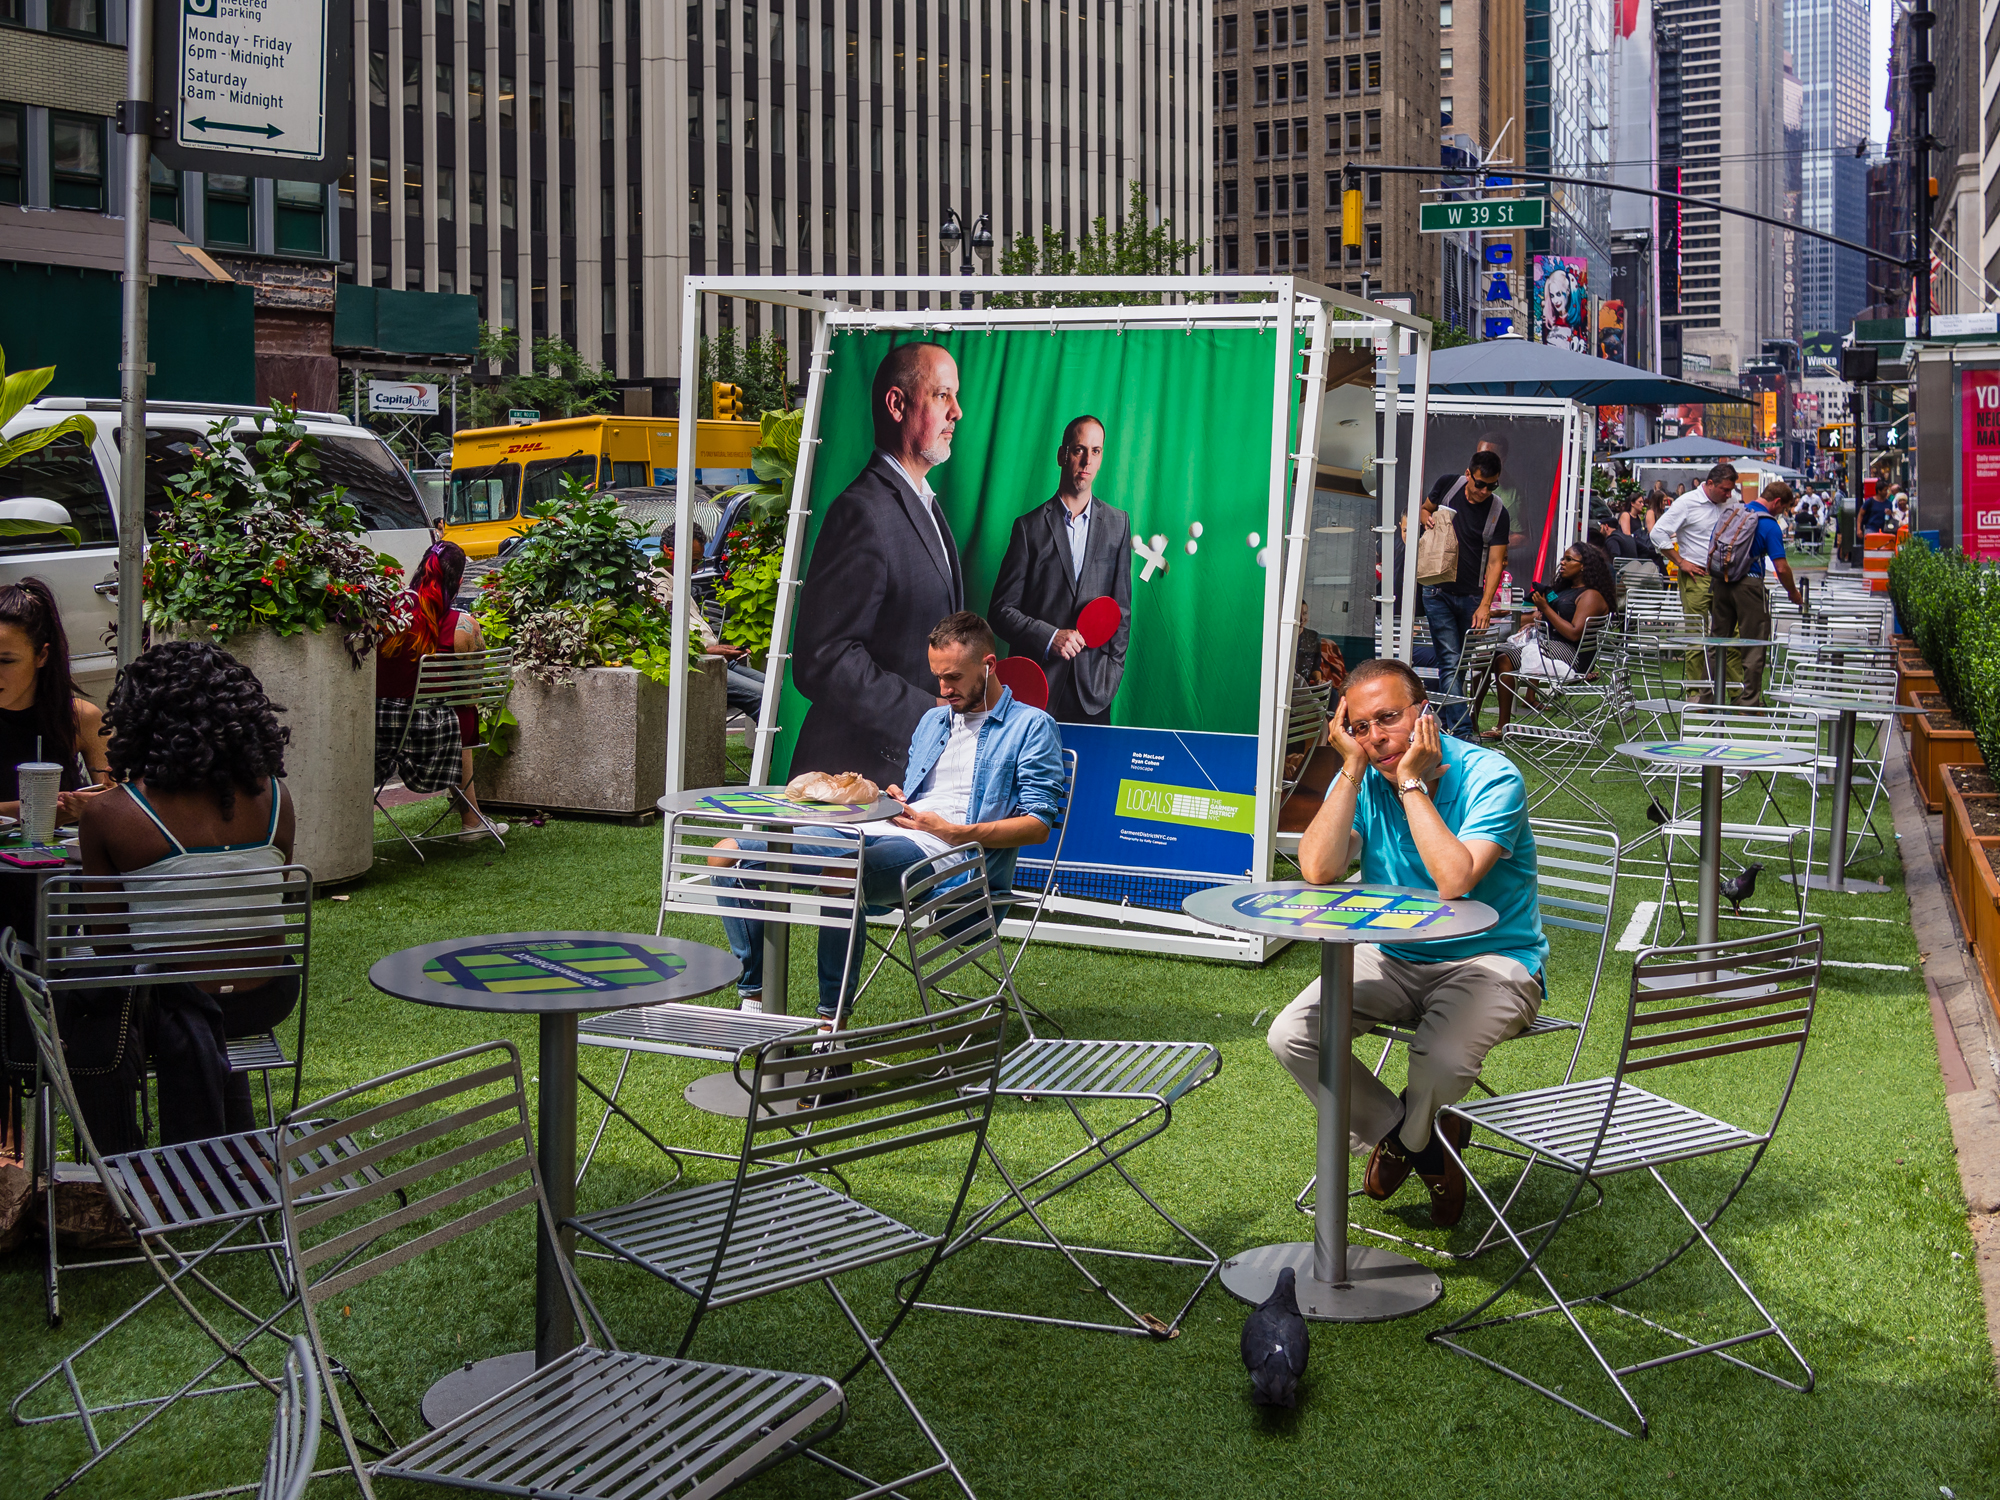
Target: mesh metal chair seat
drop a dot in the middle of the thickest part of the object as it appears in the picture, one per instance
(1688, 1007)
(592, 1423)
(954, 946)
(479, 680)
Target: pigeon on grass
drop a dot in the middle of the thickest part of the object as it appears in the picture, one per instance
(1274, 1344)
(1739, 888)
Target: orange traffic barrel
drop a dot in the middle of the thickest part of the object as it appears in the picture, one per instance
(1878, 548)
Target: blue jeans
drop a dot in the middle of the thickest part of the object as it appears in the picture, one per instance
(1450, 616)
(883, 861)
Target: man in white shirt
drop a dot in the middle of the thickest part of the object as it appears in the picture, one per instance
(1684, 532)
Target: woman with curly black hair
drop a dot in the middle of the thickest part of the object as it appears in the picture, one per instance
(198, 755)
(1585, 589)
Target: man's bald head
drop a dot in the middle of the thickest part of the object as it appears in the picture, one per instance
(906, 368)
(916, 406)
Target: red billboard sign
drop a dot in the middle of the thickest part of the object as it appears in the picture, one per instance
(1979, 468)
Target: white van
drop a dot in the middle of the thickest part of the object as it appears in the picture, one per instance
(82, 477)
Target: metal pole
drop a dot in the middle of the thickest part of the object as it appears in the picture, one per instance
(1336, 1026)
(1843, 788)
(1708, 902)
(132, 367)
(683, 543)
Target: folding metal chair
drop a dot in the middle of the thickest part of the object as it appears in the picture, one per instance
(1305, 732)
(596, 1423)
(1558, 732)
(774, 1225)
(288, 1463)
(1476, 671)
(1688, 1006)
(478, 680)
(182, 1206)
(1576, 890)
(1855, 676)
(252, 926)
(954, 944)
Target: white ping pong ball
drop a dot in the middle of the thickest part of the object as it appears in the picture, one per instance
(1194, 529)
(1263, 557)
(1192, 544)
(1256, 540)
(1159, 542)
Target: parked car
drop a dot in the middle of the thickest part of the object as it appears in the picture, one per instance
(82, 477)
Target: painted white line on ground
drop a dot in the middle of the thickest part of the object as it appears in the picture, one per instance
(1634, 935)
(1834, 963)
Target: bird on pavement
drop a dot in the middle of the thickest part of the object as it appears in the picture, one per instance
(1274, 1344)
(1738, 888)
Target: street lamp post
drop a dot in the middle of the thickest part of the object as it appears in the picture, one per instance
(952, 232)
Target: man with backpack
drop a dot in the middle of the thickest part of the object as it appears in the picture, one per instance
(1747, 536)
(1459, 567)
(1684, 533)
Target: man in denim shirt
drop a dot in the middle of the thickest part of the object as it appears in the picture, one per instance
(984, 771)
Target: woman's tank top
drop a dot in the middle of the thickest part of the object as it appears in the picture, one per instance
(215, 860)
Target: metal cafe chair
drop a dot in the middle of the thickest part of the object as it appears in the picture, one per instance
(479, 680)
(1477, 667)
(1558, 732)
(1576, 890)
(288, 1462)
(1689, 1006)
(182, 1205)
(954, 946)
(1305, 732)
(250, 926)
(783, 884)
(921, 1085)
(451, 1140)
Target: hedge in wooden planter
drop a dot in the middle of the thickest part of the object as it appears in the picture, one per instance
(1938, 739)
(1972, 814)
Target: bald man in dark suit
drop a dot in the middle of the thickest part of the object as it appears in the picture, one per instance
(1067, 551)
(884, 570)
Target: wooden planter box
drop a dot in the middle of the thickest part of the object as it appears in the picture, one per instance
(1971, 821)
(1933, 747)
(1913, 676)
(598, 743)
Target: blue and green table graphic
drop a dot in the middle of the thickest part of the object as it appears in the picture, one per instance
(544, 967)
(1315, 911)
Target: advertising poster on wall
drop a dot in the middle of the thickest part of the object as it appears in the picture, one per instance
(1171, 431)
(1979, 462)
(1560, 302)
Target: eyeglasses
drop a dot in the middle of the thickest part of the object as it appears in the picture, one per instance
(1484, 486)
(1381, 723)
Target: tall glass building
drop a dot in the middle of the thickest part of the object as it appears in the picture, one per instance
(1569, 127)
(1828, 43)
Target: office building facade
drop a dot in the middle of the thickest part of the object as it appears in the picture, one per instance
(1828, 43)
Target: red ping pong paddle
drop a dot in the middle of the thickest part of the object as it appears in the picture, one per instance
(1099, 621)
(1030, 684)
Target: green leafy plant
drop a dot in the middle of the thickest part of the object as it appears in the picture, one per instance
(1130, 248)
(256, 537)
(759, 365)
(16, 391)
(1950, 605)
(558, 382)
(775, 461)
(578, 593)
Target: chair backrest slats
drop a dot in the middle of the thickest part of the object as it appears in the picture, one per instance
(94, 929)
(780, 883)
(1695, 1054)
(294, 1446)
(369, 1119)
(1747, 994)
(339, 1245)
(465, 679)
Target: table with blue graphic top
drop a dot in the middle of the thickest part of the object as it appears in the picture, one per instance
(1337, 1282)
(555, 976)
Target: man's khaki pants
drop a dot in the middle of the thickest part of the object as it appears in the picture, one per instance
(1696, 601)
(1744, 608)
(1459, 1008)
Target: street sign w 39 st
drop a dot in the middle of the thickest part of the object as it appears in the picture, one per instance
(253, 87)
(1485, 213)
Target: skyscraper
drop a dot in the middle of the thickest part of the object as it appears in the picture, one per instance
(1828, 43)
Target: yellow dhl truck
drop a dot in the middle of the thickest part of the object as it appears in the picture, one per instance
(499, 475)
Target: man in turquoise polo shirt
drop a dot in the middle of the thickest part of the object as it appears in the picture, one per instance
(1432, 812)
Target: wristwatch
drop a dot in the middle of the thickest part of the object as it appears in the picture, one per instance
(1410, 784)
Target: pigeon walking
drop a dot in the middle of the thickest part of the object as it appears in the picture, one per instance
(1274, 1344)
(1738, 888)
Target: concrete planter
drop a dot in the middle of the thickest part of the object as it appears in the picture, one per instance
(1933, 747)
(328, 703)
(598, 743)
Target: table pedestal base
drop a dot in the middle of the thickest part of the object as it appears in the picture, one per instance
(720, 1094)
(1850, 885)
(472, 1383)
(1383, 1285)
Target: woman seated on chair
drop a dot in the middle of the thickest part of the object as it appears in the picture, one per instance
(1584, 590)
(198, 755)
(435, 629)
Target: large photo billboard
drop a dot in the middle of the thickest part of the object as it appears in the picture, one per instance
(1169, 435)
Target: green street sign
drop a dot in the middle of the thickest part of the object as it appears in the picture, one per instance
(521, 417)
(1491, 213)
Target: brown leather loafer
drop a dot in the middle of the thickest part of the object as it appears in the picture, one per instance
(1447, 1188)
(1386, 1171)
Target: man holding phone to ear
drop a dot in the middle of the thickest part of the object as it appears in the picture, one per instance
(1427, 811)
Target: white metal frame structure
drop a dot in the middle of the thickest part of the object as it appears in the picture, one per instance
(1306, 307)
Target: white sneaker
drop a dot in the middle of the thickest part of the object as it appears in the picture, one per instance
(474, 835)
(752, 1003)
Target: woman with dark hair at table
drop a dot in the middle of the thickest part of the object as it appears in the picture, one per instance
(436, 628)
(1584, 590)
(199, 756)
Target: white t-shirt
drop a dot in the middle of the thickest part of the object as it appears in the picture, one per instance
(946, 791)
(1689, 522)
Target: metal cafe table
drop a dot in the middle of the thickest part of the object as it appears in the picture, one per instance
(1713, 759)
(1844, 710)
(769, 807)
(555, 976)
(1337, 1282)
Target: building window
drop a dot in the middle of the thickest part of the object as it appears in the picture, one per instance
(1263, 252)
(1372, 72)
(1301, 137)
(13, 153)
(1332, 77)
(1229, 89)
(1263, 139)
(1445, 110)
(446, 93)
(1371, 130)
(299, 217)
(1374, 14)
(1444, 13)
(1353, 134)
(378, 184)
(446, 209)
(1229, 36)
(413, 82)
(77, 17)
(1229, 261)
(1300, 87)
(538, 207)
(1262, 189)
(1354, 74)
(1282, 138)
(507, 189)
(1260, 30)
(76, 160)
(1263, 87)
(1333, 192)
(1229, 199)
(475, 197)
(1229, 144)
(165, 181)
(13, 13)
(1281, 193)
(226, 209)
(413, 190)
(1354, 17)
(1372, 193)
(506, 101)
(475, 94)
(1374, 233)
(1333, 247)
(1444, 62)
(538, 118)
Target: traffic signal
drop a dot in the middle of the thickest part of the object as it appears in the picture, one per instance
(726, 401)
(1350, 216)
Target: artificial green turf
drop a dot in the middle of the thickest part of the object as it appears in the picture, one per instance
(1853, 1231)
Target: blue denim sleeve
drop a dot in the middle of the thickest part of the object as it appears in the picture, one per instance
(1039, 774)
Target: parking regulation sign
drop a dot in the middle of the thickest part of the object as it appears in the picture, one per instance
(252, 86)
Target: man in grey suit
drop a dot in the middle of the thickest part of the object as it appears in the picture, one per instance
(1067, 551)
(884, 570)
